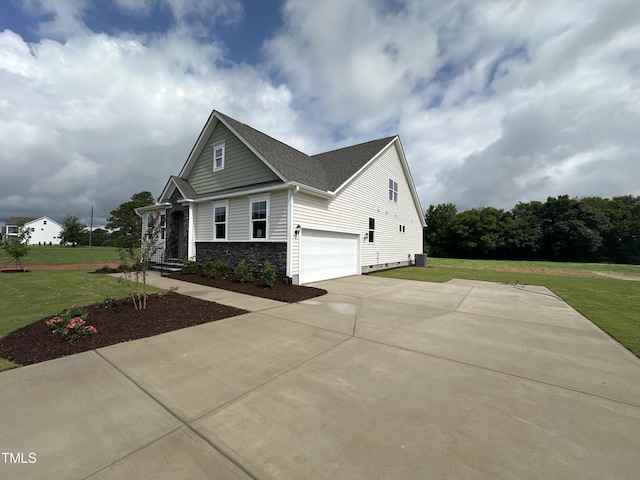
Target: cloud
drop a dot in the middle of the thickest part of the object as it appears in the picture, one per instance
(97, 118)
(63, 18)
(495, 101)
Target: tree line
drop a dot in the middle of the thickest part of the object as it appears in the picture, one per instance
(587, 229)
(123, 228)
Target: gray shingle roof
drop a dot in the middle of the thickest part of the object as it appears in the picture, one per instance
(17, 220)
(325, 171)
(339, 165)
(184, 187)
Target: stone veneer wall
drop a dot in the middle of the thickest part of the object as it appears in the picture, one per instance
(254, 253)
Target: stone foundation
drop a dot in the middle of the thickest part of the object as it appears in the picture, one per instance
(254, 253)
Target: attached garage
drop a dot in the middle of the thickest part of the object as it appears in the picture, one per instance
(325, 255)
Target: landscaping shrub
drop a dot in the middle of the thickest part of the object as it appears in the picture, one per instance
(221, 270)
(268, 274)
(207, 268)
(190, 266)
(71, 324)
(243, 273)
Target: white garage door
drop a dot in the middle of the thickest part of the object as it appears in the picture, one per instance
(325, 255)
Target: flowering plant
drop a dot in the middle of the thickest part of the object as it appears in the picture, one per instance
(109, 302)
(169, 293)
(71, 324)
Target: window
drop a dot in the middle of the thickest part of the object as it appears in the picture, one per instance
(372, 227)
(218, 157)
(220, 222)
(259, 219)
(393, 190)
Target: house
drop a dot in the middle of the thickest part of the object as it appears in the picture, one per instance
(42, 230)
(241, 194)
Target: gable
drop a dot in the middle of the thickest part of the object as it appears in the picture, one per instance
(372, 180)
(242, 167)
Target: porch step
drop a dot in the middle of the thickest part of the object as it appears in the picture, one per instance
(169, 265)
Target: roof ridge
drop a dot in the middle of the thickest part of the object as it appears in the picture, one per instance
(227, 117)
(325, 171)
(355, 146)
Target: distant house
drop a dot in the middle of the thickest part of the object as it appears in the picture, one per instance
(42, 230)
(241, 194)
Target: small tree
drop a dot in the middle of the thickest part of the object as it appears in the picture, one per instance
(72, 230)
(18, 247)
(126, 224)
(135, 262)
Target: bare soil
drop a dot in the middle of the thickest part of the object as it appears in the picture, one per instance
(66, 266)
(563, 272)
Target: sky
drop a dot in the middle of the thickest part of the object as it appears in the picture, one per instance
(495, 101)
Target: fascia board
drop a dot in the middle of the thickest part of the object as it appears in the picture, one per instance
(405, 168)
(253, 150)
(44, 217)
(313, 191)
(165, 192)
(412, 186)
(363, 168)
(199, 145)
(151, 208)
(239, 193)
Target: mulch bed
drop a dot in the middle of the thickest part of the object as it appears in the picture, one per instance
(34, 343)
(280, 291)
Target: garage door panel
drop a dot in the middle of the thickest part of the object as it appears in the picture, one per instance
(325, 255)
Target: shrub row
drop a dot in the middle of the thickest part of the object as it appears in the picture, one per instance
(220, 270)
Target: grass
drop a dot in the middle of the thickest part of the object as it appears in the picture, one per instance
(59, 255)
(611, 303)
(28, 297)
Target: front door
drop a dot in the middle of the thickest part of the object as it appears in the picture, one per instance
(176, 240)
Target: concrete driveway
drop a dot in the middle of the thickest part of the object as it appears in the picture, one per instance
(381, 378)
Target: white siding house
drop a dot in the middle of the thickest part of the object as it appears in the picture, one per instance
(244, 195)
(42, 230)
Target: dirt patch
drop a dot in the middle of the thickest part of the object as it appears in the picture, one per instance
(34, 343)
(280, 291)
(71, 266)
(561, 272)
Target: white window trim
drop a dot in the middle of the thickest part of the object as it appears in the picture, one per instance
(224, 204)
(252, 200)
(393, 191)
(215, 147)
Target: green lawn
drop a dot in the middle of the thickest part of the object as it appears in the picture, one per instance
(29, 297)
(612, 304)
(59, 255)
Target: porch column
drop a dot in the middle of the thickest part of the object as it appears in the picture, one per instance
(191, 234)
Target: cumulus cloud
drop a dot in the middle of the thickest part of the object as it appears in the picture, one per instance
(97, 118)
(495, 101)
